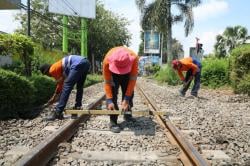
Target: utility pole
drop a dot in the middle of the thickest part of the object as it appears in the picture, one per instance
(28, 19)
(65, 34)
(84, 51)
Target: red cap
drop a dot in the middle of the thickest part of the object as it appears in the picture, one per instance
(175, 64)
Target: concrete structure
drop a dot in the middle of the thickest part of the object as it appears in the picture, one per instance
(10, 4)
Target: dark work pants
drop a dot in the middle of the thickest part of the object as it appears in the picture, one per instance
(197, 82)
(119, 80)
(77, 75)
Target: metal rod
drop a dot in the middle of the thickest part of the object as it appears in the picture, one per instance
(84, 51)
(65, 34)
(114, 112)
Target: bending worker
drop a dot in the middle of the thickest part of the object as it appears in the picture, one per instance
(193, 70)
(120, 68)
(67, 72)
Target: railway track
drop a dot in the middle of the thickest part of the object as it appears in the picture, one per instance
(151, 140)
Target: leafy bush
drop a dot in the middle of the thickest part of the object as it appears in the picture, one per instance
(152, 69)
(167, 74)
(44, 88)
(20, 46)
(92, 79)
(244, 85)
(240, 67)
(214, 72)
(16, 94)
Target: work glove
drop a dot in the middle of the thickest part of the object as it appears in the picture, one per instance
(125, 105)
(111, 106)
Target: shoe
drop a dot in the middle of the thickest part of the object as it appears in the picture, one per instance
(75, 116)
(195, 95)
(54, 115)
(181, 93)
(77, 108)
(115, 128)
(128, 118)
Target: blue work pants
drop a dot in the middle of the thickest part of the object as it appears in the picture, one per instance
(77, 75)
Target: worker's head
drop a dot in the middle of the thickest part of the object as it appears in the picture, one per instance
(176, 64)
(120, 61)
(45, 69)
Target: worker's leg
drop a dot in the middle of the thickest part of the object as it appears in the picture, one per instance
(184, 89)
(196, 86)
(67, 88)
(115, 89)
(84, 68)
(124, 85)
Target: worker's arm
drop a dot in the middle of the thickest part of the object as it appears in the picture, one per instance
(132, 80)
(131, 85)
(56, 72)
(180, 75)
(107, 81)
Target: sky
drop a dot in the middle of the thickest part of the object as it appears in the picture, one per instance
(210, 19)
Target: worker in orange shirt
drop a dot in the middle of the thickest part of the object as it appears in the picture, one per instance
(120, 68)
(193, 70)
(68, 71)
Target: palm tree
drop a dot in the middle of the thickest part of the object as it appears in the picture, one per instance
(157, 15)
(231, 38)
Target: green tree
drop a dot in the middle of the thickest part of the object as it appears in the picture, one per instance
(105, 31)
(20, 46)
(230, 39)
(177, 49)
(141, 46)
(158, 15)
(46, 27)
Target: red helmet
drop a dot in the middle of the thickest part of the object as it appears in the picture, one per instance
(175, 64)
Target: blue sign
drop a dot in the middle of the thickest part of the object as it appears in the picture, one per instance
(151, 42)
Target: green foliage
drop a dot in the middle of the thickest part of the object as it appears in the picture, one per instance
(230, 39)
(167, 74)
(244, 85)
(44, 88)
(157, 15)
(16, 94)
(240, 67)
(42, 56)
(104, 32)
(152, 69)
(92, 79)
(214, 72)
(20, 46)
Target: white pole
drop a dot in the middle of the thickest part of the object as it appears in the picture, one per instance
(161, 48)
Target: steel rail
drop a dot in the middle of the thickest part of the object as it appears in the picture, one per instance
(193, 156)
(43, 152)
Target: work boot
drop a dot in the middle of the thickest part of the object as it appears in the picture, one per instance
(114, 127)
(77, 108)
(54, 115)
(74, 116)
(181, 93)
(194, 94)
(128, 118)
